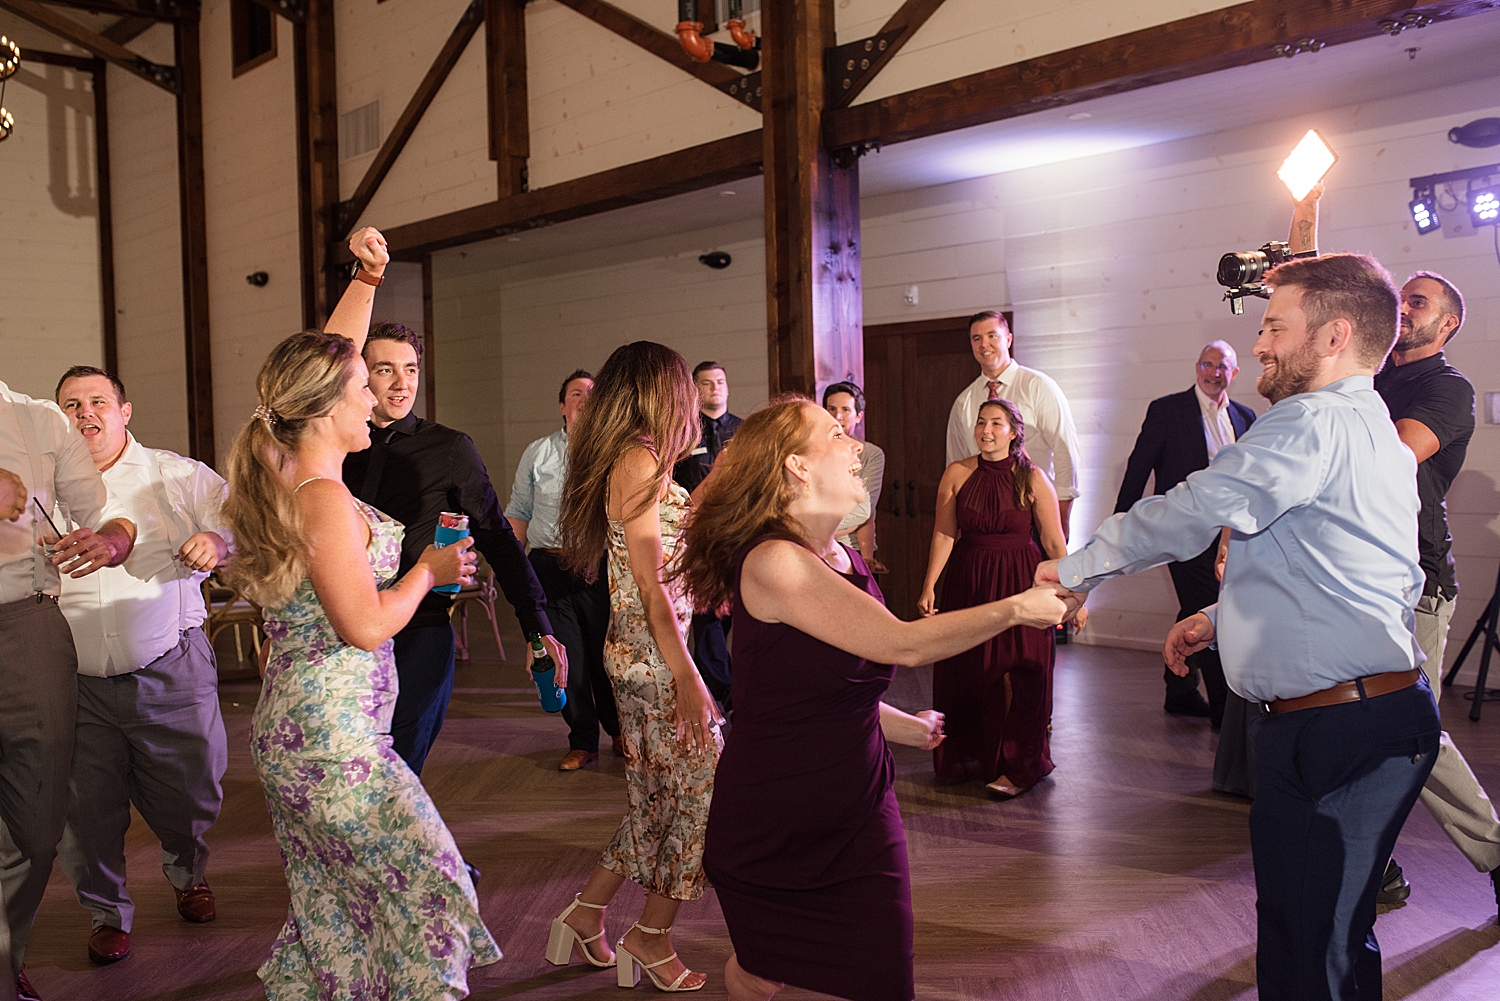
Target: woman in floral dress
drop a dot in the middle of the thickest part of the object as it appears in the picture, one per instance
(382, 908)
(619, 499)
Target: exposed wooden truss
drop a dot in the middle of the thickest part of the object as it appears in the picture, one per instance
(505, 76)
(156, 10)
(652, 39)
(63, 26)
(1205, 43)
(401, 133)
(853, 66)
(317, 157)
(193, 211)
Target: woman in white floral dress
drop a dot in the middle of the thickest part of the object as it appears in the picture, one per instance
(382, 908)
(640, 420)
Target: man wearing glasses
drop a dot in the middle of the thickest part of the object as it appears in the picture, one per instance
(1181, 435)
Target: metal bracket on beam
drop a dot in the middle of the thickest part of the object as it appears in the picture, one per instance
(850, 63)
(745, 89)
(847, 156)
(1411, 19)
(1290, 49)
(166, 76)
(294, 9)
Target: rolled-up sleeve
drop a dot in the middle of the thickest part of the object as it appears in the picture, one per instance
(522, 503)
(1276, 467)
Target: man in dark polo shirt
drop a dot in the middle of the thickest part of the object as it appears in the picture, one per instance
(412, 471)
(1433, 407)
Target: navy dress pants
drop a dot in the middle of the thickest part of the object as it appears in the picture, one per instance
(1333, 787)
(424, 668)
(580, 621)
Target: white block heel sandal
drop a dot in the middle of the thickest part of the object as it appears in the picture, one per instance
(564, 937)
(630, 967)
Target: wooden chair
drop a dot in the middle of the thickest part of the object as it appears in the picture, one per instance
(227, 609)
(483, 593)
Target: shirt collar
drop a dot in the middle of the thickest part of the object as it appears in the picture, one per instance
(1421, 366)
(406, 425)
(1206, 403)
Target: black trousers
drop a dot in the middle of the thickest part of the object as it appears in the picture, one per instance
(424, 667)
(579, 614)
(711, 654)
(1333, 787)
(1197, 588)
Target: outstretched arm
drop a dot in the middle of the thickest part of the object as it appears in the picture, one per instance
(351, 317)
(1304, 235)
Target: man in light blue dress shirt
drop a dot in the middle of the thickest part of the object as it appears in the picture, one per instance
(1314, 622)
(578, 611)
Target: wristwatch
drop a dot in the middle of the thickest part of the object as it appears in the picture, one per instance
(362, 275)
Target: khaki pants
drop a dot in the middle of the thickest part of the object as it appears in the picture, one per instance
(1453, 795)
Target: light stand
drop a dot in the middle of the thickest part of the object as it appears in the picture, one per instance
(1489, 620)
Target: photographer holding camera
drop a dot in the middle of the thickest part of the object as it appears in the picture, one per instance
(1315, 618)
(1432, 406)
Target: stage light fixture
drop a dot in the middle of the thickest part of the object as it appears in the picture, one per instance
(1484, 206)
(1306, 165)
(1424, 214)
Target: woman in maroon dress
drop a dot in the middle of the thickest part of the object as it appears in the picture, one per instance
(804, 844)
(996, 697)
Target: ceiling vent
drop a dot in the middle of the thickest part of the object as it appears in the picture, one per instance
(359, 131)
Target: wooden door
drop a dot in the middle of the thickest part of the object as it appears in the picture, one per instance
(913, 372)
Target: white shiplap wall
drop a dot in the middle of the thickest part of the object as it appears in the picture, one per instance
(506, 337)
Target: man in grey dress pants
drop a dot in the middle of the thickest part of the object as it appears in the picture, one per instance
(149, 730)
(38, 666)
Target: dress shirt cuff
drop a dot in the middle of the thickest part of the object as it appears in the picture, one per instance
(1212, 611)
(535, 622)
(1074, 571)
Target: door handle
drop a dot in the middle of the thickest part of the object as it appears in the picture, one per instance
(911, 498)
(894, 490)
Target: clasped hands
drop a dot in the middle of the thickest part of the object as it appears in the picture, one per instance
(1047, 580)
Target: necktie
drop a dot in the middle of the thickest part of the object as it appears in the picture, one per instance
(380, 445)
(993, 385)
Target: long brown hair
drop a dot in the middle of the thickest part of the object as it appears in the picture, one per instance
(643, 396)
(1021, 477)
(303, 378)
(745, 497)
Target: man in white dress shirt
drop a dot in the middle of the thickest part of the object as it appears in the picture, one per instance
(1051, 440)
(38, 666)
(149, 730)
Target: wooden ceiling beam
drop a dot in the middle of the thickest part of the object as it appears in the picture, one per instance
(1205, 43)
(896, 32)
(294, 11)
(652, 39)
(128, 29)
(59, 24)
(447, 57)
(156, 10)
(692, 169)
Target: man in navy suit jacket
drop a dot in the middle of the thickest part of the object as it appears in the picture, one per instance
(1181, 435)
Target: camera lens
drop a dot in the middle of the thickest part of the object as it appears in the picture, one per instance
(1242, 268)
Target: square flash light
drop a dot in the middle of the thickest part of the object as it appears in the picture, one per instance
(1424, 214)
(1306, 165)
(1484, 206)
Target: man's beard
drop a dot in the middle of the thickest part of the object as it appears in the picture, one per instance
(1293, 374)
(1417, 337)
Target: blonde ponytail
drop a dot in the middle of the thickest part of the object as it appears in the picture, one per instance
(302, 379)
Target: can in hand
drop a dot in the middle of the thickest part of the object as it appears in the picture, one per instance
(544, 676)
(450, 528)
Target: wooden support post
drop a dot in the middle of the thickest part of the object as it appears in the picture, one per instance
(814, 312)
(106, 222)
(429, 339)
(198, 362)
(510, 128)
(317, 158)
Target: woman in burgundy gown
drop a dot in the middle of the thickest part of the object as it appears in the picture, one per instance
(997, 698)
(804, 844)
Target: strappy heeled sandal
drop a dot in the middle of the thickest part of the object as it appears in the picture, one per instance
(564, 937)
(630, 967)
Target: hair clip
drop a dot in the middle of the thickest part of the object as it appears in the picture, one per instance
(265, 413)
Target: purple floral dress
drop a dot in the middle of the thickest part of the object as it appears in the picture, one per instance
(382, 908)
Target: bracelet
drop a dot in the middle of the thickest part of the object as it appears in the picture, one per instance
(362, 275)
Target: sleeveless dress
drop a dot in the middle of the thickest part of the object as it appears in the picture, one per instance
(668, 787)
(997, 697)
(805, 845)
(382, 907)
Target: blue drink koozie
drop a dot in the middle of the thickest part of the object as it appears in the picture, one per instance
(543, 671)
(450, 528)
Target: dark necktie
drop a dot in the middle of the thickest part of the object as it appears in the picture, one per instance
(711, 440)
(380, 446)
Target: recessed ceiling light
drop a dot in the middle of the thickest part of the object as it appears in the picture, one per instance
(512, 239)
(1079, 116)
(726, 194)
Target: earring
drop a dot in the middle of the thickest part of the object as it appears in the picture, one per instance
(807, 492)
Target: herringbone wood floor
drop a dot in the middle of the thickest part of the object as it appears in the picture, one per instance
(1122, 876)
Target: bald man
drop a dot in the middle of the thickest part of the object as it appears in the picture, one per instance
(1181, 435)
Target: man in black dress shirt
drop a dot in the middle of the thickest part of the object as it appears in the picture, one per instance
(1181, 435)
(412, 471)
(716, 426)
(1433, 407)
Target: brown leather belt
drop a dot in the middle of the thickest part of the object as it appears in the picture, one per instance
(1349, 691)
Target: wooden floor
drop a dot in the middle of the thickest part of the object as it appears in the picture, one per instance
(1122, 876)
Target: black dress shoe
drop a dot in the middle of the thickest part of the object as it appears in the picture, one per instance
(24, 990)
(1393, 886)
(1196, 705)
(1495, 879)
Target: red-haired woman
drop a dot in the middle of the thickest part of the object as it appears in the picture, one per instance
(619, 499)
(805, 846)
(997, 697)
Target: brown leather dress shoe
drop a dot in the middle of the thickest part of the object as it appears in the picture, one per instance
(575, 760)
(24, 990)
(108, 945)
(196, 903)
